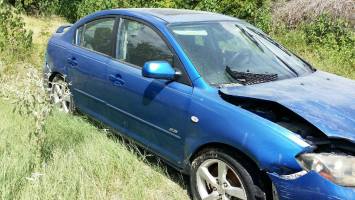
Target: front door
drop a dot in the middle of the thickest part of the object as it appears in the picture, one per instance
(154, 112)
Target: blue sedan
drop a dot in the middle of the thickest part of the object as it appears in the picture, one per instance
(215, 97)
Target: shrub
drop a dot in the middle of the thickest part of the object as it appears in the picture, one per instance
(151, 3)
(86, 7)
(15, 40)
(68, 9)
(256, 12)
(35, 6)
(295, 12)
(89, 6)
(328, 31)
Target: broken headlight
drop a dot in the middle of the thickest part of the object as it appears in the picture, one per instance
(339, 169)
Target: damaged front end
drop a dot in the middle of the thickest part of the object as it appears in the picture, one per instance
(310, 186)
(328, 170)
(290, 120)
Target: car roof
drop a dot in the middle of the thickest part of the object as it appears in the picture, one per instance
(171, 15)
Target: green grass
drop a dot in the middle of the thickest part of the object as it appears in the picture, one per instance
(323, 58)
(82, 163)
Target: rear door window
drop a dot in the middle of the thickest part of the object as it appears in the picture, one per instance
(97, 36)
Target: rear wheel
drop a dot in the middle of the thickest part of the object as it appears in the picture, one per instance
(215, 175)
(61, 96)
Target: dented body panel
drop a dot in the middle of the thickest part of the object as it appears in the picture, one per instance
(310, 187)
(325, 100)
(272, 147)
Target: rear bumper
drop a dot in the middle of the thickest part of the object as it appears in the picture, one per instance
(311, 186)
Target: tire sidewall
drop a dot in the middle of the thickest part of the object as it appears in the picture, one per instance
(229, 160)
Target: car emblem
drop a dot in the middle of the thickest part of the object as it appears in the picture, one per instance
(194, 119)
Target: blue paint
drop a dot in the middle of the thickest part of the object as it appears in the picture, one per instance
(310, 187)
(158, 70)
(325, 100)
(157, 113)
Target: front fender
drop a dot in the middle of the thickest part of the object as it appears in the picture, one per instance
(272, 147)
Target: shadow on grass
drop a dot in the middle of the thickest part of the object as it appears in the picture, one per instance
(143, 154)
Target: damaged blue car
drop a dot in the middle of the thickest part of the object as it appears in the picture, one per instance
(213, 96)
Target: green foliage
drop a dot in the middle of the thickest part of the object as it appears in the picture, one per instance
(150, 3)
(68, 9)
(89, 6)
(35, 6)
(323, 56)
(328, 31)
(15, 40)
(263, 19)
(85, 7)
(254, 11)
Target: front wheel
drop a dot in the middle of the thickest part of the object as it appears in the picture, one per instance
(215, 175)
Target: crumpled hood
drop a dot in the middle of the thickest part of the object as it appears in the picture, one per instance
(325, 100)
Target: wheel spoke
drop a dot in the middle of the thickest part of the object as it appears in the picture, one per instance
(66, 98)
(61, 96)
(58, 90)
(236, 192)
(207, 176)
(213, 196)
(222, 171)
(224, 197)
(56, 99)
(65, 106)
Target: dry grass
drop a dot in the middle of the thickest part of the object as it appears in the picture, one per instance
(296, 11)
(42, 28)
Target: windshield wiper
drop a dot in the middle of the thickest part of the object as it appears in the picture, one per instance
(287, 65)
(247, 78)
(271, 41)
(282, 48)
(250, 37)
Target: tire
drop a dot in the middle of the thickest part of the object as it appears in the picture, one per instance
(61, 96)
(207, 170)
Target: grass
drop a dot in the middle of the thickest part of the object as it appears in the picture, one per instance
(42, 28)
(323, 58)
(83, 163)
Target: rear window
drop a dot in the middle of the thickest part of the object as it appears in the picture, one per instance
(97, 36)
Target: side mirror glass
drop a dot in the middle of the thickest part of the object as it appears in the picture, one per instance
(158, 70)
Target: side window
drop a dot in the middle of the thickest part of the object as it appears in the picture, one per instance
(138, 43)
(97, 35)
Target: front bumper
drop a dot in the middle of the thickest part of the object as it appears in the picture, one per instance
(310, 186)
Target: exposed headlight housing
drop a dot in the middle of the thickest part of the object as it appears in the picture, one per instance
(339, 169)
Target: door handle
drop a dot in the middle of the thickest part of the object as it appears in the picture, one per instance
(116, 79)
(72, 61)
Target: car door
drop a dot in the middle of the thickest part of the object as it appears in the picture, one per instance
(93, 47)
(154, 112)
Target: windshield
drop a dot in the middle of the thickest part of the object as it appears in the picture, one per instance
(227, 53)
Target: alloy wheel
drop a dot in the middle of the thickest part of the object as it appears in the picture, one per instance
(216, 180)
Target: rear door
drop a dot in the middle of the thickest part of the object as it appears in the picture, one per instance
(87, 62)
(154, 112)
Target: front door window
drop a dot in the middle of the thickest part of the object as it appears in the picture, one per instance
(138, 43)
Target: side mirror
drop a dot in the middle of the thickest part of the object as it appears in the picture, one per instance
(158, 70)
